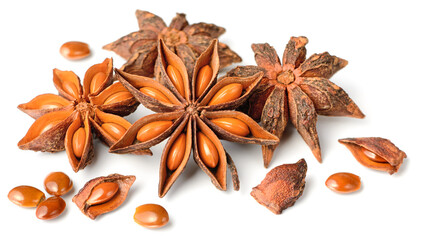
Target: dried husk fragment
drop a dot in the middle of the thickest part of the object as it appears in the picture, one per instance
(78, 163)
(52, 139)
(45, 103)
(281, 187)
(390, 156)
(80, 199)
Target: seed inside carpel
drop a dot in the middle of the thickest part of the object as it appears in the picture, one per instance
(102, 193)
(154, 93)
(117, 97)
(207, 151)
(97, 81)
(78, 142)
(232, 125)
(176, 152)
(226, 94)
(152, 130)
(114, 130)
(343, 182)
(176, 78)
(203, 79)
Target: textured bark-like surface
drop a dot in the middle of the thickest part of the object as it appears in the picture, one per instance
(306, 89)
(281, 187)
(376, 153)
(93, 211)
(188, 41)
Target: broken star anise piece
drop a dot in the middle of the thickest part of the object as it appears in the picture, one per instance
(188, 41)
(295, 90)
(66, 121)
(281, 187)
(193, 113)
(376, 153)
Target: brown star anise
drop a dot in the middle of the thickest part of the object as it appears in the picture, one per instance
(187, 41)
(193, 112)
(296, 90)
(66, 121)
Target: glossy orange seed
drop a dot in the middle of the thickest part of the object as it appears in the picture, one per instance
(78, 142)
(51, 105)
(57, 183)
(152, 130)
(75, 50)
(26, 196)
(176, 78)
(118, 97)
(115, 130)
(207, 150)
(96, 81)
(372, 156)
(343, 182)
(151, 216)
(227, 93)
(102, 193)
(70, 88)
(176, 153)
(232, 125)
(203, 79)
(50, 208)
(154, 93)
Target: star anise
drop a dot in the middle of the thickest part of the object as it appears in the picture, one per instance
(296, 90)
(193, 113)
(66, 121)
(188, 41)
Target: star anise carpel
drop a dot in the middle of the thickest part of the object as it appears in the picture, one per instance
(193, 111)
(188, 41)
(68, 120)
(296, 91)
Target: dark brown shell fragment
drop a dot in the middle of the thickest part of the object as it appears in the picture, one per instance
(124, 183)
(281, 187)
(376, 153)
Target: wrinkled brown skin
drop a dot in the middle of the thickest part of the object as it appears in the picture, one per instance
(281, 187)
(191, 114)
(382, 147)
(188, 41)
(80, 199)
(82, 109)
(296, 90)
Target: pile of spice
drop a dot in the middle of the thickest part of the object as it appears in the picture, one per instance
(193, 110)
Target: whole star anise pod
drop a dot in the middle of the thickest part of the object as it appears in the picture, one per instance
(188, 41)
(193, 113)
(296, 90)
(66, 121)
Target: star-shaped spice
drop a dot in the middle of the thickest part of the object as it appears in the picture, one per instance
(188, 41)
(193, 113)
(66, 121)
(296, 90)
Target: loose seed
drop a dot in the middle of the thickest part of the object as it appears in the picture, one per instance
(75, 50)
(50, 208)
(176, 153)
(226, 94)
(117, 97)
(151, 216)
(176, 78)
(26, 196)
(78, 142)
(207, 151)
(154, 93)
(152, 130)
(97, 81)
(232, 125)
(203, 79)
(57, 183)
(343, 182)
(102, 193)
(115, 130)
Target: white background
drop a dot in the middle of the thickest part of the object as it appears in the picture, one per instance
(384, 44)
